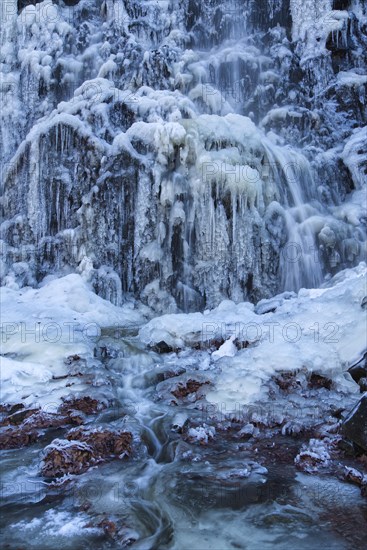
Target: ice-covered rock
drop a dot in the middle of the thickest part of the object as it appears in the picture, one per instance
(319, 331)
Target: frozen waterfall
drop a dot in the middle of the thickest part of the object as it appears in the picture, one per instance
(183, 152)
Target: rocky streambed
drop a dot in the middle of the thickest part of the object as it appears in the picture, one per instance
(152, 466)
(238, 427)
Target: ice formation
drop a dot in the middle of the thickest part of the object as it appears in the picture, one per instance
(42, 328)
(318, 331)
(184, 153)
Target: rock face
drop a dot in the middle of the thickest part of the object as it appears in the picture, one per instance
(186, 153)
(354, 426)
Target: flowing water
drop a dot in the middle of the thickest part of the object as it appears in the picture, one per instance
(208, 491)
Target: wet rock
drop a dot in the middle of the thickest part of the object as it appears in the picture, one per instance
(353, 475)
(15, 438)
(357, 478)
(39, 419)
(354, 426)
(109, 527)
(162, 347)
(214, 344)
(127, 537)
(347, 447)
(42, 420)
(313, 456)
(363, 384)
(18, 417)
(337, 412)
(64, 376)
(115, 529)
(10, 409)
(359, 369)
(27, 423)
(287, 381)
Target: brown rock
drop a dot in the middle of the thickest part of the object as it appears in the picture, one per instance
(287, 381)
(10, 409)
(357, 478)
(64, 457)
(14, 438)
(104, 443)
(18, 417)
(353, 475)
(109, 527)
(45, 420)
(82, 449)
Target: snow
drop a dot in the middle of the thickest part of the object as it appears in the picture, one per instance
(42, 327)
(354, 156)
(313, 21)
(202, 434)
(182, 151)
(58, 524)
(318, 331)
(177, 118)
(228, 349)
(203, 170)
(351, 78)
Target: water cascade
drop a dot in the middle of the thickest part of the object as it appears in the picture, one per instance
(183, 153)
